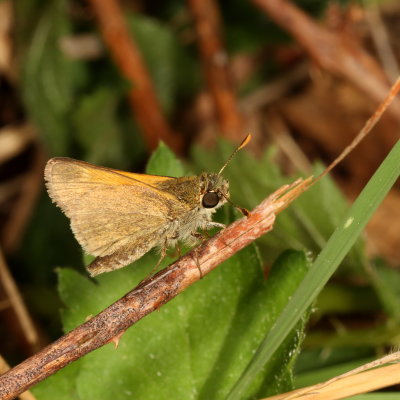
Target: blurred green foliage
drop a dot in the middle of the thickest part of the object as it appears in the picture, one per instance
(78, 106)
(80, 110)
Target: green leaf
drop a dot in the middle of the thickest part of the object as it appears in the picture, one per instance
(338, 298)
(316, 359)
(49, 79)
(97, 129)
(59, 386)
(171, 68)
(163, 162)
(386, 281)
(196, 346)
(322, 374)
(99, 132)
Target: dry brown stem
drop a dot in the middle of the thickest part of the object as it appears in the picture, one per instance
(7, 66)
(17, 303)
(356, 381)
(381, 40)
(368, 126)
(214, 58)
(348, 386)
(128, 58)
(29, 190)
(338, 55)
(272, 91)
(5, 367)
(148, 296)
(14, 139)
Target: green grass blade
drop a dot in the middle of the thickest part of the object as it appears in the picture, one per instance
(325, 265)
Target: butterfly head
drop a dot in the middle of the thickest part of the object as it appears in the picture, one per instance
(214, 191)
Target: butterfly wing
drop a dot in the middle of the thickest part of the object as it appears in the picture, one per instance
(111, 211)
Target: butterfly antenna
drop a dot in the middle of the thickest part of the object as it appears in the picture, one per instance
(243, 210)
(243, 144)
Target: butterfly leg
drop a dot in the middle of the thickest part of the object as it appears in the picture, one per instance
(162, 256)
(177, 251)
(178, 248)
(196, 260)
(164, 253)
(202, 236)
(212, 224)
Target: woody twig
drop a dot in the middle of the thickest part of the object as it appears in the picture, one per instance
(5, 367)
(29, 191)
(150, 295)
(127, 56)
(28, 333)
(214, 59)
(338, 55)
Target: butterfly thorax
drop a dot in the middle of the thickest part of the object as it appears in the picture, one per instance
(201, 195)
(194, 190)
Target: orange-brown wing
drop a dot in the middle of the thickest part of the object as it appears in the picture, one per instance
(108, 210)
(151, 180)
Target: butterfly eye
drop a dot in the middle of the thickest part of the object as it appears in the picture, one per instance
(210, 200)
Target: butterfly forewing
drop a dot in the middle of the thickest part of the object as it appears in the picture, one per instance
(109, 210)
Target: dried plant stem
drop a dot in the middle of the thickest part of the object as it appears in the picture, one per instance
(16, 302)
(29, 190)
(127, 56)
(150, 295)
(214, 58)
(7, 16)
(272, 91)
(356, 381)
(338, 55)
(381, 39)
(5, 367)
(368, 126)
(279, 131)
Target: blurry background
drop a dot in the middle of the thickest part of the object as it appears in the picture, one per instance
(104, 81)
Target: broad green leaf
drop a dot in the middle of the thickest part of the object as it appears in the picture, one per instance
(196, 346)
(49, 79)
(98, 130)
(163, 162)
(59, 386)
(173, 72)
